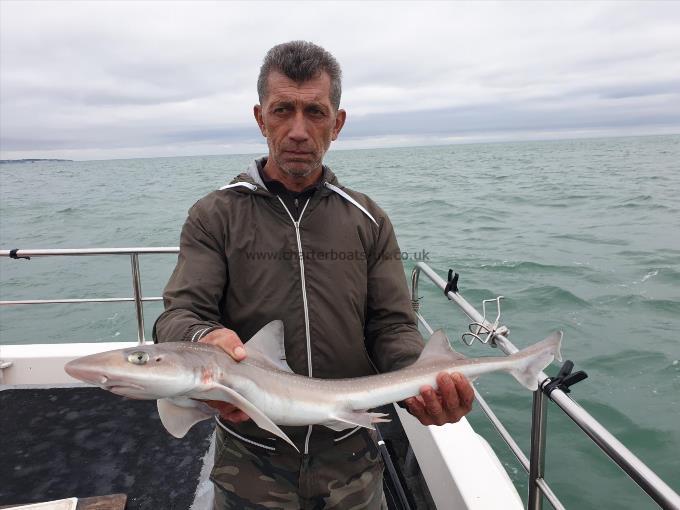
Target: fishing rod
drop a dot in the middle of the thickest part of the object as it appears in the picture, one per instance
(395, 489)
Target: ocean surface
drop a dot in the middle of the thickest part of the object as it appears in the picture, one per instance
(580, 235)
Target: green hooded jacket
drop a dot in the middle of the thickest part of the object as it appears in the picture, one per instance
(334, 278)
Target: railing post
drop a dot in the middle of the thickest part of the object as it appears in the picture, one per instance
(137, 290)
(537, 454)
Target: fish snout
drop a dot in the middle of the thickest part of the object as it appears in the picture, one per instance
(85, 372)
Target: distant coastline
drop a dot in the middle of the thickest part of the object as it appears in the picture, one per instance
(3, 161)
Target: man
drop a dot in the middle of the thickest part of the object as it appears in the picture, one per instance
(286, 241)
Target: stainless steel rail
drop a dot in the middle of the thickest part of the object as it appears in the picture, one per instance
(134, 253)
(649, 481)
(88, 251)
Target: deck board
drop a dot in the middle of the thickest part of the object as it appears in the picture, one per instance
(83, 442)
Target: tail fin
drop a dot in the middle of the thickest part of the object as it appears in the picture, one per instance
(530, 361)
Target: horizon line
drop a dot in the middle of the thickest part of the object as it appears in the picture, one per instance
(386, 147)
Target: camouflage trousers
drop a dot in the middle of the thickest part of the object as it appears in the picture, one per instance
(347, 475)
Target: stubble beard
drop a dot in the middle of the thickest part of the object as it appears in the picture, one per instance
(293, 170)
(297, 170)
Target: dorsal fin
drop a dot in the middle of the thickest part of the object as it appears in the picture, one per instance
(267, 346)
(438, 346)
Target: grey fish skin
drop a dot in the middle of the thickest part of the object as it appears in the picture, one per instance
(177, 374)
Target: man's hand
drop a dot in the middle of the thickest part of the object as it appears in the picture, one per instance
(229, 341)
(448, 404)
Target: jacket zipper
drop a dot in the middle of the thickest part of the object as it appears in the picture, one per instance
(296, 224)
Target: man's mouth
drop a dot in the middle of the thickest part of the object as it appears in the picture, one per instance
(299, 153)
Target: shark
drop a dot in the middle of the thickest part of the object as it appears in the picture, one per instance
(182, 375)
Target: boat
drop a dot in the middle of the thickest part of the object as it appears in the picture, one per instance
(62, 440)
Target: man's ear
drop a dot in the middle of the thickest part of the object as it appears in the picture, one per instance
(257, 112)
(340, 118)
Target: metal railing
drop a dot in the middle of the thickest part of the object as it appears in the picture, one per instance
(649, 481)
(654, 486)
(134, 254)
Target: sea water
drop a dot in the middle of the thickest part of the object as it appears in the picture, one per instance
(578, 235)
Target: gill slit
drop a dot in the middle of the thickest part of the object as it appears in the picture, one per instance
(296, 224)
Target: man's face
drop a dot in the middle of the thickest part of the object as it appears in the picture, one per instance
(299, 122)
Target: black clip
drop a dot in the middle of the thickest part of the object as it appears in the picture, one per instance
(563, 379)
(13, 255)
(452, 285)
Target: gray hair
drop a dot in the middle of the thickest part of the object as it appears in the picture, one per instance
(300, 61)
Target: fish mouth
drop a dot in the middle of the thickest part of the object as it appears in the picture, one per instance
(119, 388)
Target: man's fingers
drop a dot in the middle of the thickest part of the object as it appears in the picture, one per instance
(222, 407)
(228, 340)
(449, 393)
(433, 405)
(228, 412)
(466, 393)
(238, 353)
(457, 401)
(237, 416)
(416, 407)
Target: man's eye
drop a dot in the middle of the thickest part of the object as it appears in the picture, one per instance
(280, 109)
(316, 112)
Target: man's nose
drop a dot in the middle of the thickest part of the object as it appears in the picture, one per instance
(298, 129)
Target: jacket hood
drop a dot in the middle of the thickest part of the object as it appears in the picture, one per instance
(251, 182)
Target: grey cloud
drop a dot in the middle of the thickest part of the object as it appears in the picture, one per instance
(107, 76)
(88, 96)
(642, 90)
(636, 90)
(504, 117)
(127, 138)
(216, 135)
(37, 144)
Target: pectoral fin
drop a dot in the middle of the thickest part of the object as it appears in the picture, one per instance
(219, 392)
(178, 416)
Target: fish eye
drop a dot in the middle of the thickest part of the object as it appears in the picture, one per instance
(138, 358)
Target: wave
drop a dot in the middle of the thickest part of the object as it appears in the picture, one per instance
(625, 428)
(549, 295)
(640, 201)
(624, 359)
(429, 204)
(590, 239)
(668, 275)
(661, 275)
(637, 303)
(535, 268)
(660, 259)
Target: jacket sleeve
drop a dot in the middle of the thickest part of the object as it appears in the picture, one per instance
(392, 337)
(193, 296)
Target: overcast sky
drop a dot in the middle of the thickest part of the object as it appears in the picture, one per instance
(98, 80)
